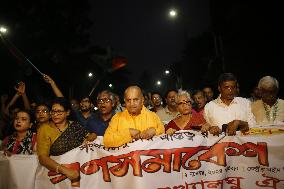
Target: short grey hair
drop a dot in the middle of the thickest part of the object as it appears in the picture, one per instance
(268, 82)
(183, 93)
(110, 94)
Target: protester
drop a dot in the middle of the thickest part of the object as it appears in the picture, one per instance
(105, 104)
(208, 93)
(187, 119)
(23, 140)
(169, 112)
(157, 102)
(269, 109)
(135, 122)
(228, 111)
(59, 137)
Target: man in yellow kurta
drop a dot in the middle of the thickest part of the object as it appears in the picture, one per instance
(135, 122)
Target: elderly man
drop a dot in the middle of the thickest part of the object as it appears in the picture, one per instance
(105, 103)
(135, 122)
(269, 109)
(228, 111)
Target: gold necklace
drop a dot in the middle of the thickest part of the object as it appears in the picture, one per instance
(274, 111)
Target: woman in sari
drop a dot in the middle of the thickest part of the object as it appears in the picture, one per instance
(23, 140)
(59, 137)
(188, 118)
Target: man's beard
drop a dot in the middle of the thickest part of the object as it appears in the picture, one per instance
(85, 109)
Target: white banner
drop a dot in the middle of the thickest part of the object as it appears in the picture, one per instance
(182, 161)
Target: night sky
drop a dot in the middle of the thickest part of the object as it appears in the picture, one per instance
(53, 35)
(145, 33)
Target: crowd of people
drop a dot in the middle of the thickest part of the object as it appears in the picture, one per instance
(54, 128)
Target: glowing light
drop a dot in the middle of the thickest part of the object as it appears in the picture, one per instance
(3, 29)
(172, 13)
(90, 74)
(159, 83)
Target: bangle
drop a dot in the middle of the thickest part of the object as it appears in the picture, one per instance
(57, 168)
(87, 135)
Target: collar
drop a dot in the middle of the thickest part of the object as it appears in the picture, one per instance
(168, 111)
(276, 103)
(221, 103)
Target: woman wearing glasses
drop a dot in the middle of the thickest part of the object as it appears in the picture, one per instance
(59, 137)
(188, 119)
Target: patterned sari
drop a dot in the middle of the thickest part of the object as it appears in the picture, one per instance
(71, 138)
(25, 146)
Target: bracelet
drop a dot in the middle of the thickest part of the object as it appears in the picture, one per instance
(87, 135)
(57, 168)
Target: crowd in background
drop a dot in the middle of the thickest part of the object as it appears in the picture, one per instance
(51, 128)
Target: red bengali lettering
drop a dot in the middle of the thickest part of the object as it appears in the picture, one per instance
(61, 177)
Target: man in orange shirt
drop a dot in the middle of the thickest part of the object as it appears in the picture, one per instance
(135, 122)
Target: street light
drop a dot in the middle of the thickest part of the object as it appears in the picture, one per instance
(158, 83)
(90, 74)
(167, 72)
(172, 13)
(3, 30)
(110, 85)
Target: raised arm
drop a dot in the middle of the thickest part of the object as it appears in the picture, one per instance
(53, 85)
(21, 89)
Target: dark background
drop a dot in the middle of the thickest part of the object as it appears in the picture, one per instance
(67, 39)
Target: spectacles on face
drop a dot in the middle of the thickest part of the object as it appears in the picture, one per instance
(42, 111)
(58, 112)
(184, 103)
(104, 100)
(156, 98)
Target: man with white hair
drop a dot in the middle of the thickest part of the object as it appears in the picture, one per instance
(269, 109)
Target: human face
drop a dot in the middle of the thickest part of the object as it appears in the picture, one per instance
(58, 114)
(156, 100)
(208, 93)
(228, 90)
(171, 99)
(22, 122)
(183, 105)
(200, 100)
(269, 95)
(42, 114)
(133, 101)
(85, 105)
(104, 103)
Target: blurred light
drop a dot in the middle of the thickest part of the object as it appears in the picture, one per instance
(159, 83)
(3, 29)
(90, 74)
(95, 108)
(110, 85)
(167, 72)
(172, 13)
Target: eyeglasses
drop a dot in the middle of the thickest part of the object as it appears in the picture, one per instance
(42, 111)
(184, 102)
(156, 98)
(58, 112)
(104, 100)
